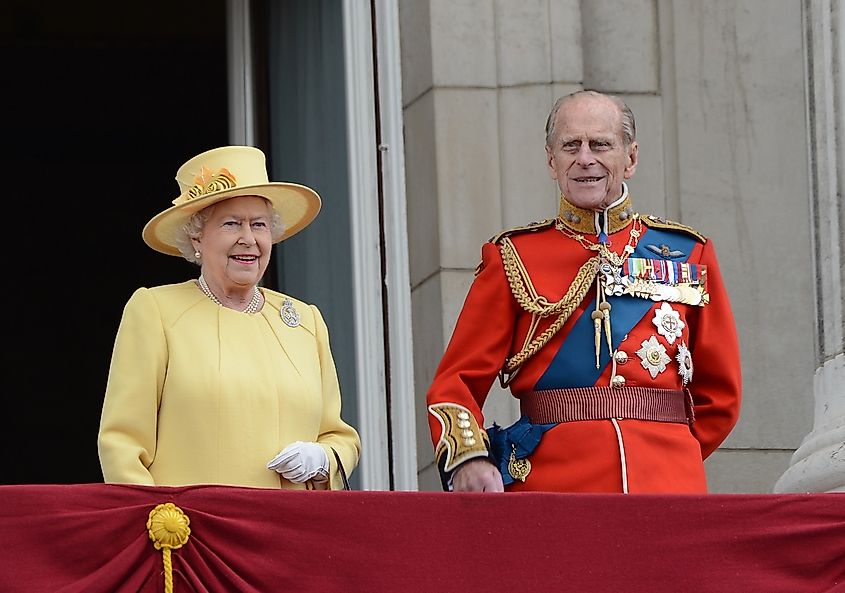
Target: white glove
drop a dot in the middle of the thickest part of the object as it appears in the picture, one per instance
(301, 461)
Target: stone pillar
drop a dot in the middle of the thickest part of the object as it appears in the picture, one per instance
(818, 465)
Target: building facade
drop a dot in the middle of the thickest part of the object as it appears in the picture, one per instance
(739, 109)
(420, 123)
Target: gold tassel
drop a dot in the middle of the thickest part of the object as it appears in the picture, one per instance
(168, 529)
(597, 317)
(605, 308)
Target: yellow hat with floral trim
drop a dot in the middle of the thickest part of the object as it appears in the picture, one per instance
(223, 173)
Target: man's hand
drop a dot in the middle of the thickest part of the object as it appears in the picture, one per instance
(477, 475)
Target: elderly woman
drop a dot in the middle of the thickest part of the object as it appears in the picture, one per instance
(217, 380)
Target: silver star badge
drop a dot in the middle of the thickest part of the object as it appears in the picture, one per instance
(653, 356)
(668, 322)
(684, 358)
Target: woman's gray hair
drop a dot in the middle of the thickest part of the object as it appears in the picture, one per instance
(193, 230)
(629, 127)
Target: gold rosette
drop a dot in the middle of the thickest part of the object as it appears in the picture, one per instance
(168, 529)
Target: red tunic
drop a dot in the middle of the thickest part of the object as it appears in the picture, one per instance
(605, 455)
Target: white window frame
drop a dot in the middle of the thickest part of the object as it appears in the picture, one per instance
(370, 311)
(368, 306)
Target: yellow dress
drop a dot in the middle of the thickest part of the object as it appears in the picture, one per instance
(201, 394)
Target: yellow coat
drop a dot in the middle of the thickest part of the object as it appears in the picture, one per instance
(201, 394)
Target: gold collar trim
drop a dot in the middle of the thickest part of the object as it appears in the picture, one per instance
(585, 221)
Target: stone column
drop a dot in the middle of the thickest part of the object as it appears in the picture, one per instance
(818, 465)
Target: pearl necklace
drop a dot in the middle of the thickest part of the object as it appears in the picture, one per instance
(252, 307)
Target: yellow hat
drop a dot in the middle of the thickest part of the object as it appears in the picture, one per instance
(229, 172)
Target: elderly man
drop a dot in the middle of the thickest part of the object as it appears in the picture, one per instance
(613, 330)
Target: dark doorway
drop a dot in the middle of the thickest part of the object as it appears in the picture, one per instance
(103, 101)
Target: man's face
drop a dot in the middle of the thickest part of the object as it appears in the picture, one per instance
(588, 158)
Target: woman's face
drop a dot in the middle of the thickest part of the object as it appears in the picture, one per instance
(236, 242)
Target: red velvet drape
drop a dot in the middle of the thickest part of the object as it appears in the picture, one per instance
(93, 538)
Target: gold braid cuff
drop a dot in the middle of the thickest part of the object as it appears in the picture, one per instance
(526, 295)
(461, 438)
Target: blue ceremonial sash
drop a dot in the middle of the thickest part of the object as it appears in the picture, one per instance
(521, 437)
(574, 365)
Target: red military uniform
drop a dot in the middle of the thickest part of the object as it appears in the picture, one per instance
(667, 388)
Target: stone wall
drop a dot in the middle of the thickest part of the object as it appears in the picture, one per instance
(719, 92)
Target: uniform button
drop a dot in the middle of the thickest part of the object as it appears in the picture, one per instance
(466, 433)
(618, 381)
(621, 357)
(469, 442)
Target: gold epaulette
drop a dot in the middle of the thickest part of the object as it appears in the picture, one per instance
(531, 226)
(661, 223)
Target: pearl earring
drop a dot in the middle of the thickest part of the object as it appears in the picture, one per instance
(197, 254)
